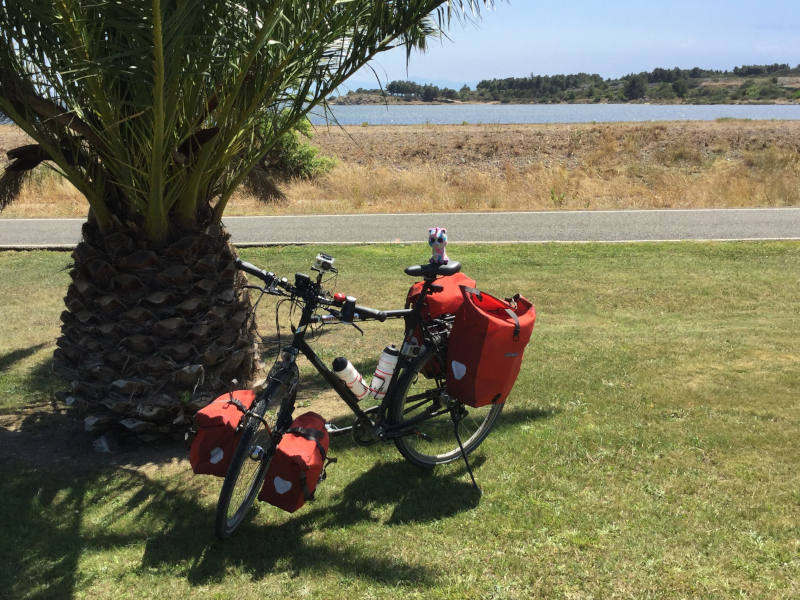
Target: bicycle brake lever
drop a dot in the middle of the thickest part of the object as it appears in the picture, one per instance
(361, 331)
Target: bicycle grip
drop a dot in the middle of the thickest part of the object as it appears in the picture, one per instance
(266, 277)
(370, 313)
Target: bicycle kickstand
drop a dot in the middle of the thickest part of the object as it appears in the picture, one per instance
(456, 416)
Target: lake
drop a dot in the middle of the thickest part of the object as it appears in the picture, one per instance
(455, 114)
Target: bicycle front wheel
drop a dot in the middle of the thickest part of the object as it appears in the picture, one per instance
(245, 474)
(422, 406)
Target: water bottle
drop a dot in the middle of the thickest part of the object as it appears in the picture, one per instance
(345, 371)
(383, 372)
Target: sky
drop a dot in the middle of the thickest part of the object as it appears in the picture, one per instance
(609, 37)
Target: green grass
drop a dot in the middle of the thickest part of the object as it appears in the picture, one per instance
(648, 450)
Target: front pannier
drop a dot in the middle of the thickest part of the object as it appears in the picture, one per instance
(217, 438)
(486, 344)
(298, 464)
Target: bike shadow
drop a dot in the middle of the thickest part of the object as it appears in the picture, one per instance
(508, 419)
(315, 539)
(413, 495)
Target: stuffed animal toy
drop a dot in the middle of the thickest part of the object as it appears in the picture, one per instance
(437, 240)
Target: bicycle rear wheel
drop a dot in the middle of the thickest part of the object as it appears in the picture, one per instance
(423, 406)
(245, 474)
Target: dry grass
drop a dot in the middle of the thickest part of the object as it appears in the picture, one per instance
(726, 163)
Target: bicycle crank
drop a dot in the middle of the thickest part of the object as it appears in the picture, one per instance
(364, 432)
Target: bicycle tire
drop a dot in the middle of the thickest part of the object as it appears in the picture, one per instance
(245, 475)
(433, 441)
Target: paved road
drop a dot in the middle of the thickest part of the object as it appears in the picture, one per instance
(581, 226)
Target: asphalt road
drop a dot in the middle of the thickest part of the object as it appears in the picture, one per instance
(530, 227)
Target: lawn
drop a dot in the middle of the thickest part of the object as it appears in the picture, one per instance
(648, 450)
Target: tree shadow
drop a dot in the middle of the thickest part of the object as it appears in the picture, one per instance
(52, 519)
(7, 360)
(412, 495)
(46, 530)
(62, 501)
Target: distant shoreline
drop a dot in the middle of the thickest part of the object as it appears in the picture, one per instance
(372, 100)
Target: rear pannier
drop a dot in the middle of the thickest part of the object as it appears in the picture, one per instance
(298, 465)
(444, 302)
(217, 435)
(486, 344)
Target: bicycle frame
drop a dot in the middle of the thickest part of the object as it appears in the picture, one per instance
(377, 428)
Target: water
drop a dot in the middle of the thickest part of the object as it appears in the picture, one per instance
(455, 114)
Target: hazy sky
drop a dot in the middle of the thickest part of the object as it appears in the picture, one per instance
(608, 37)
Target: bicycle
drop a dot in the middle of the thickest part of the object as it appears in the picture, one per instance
(428, 426)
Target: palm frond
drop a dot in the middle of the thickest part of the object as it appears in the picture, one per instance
(10, 185)
(123, 95)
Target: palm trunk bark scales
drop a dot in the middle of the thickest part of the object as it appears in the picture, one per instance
(152, 334)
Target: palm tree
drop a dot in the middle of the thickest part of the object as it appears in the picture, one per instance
(151, 109)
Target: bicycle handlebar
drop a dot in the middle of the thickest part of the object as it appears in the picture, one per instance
(370, 313)
(349, 311)
(268, 278)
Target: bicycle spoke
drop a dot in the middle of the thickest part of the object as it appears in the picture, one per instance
(431, 437)
(245, 475)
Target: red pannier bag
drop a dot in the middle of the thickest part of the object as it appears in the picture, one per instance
(298, 465)
(213, 446)
(448, 301)
(484, 353)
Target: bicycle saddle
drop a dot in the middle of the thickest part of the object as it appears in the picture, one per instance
(432, 270)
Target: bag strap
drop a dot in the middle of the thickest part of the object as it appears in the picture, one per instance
(316, 435)
(311, 434)
(514, 316)
(473, 291)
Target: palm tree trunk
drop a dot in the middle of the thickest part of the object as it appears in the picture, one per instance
(150, 335)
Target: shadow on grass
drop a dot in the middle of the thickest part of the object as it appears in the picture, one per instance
(510, 417)
(55, 519)
(415, 495)
(52, 524)
(51, 519)
(412, 495)
(62, 504)
(8, 360)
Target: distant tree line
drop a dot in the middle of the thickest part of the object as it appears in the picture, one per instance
(427, 92)
(694, 85)
(540, 85)
(747, 83)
